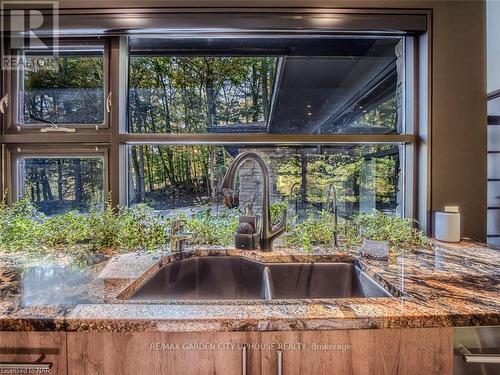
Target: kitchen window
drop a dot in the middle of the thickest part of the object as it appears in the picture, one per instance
(69, 90)
(57, 180)
(342, 85)
(325, 113)
(334, 109)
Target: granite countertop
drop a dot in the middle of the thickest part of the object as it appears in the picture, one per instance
(448, 285)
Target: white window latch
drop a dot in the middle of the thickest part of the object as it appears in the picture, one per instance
(4, 103)
(108, 103)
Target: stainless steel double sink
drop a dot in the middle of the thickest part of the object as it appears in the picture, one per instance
(237, 278)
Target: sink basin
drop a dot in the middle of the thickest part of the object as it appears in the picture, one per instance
(322, 280)
(233, 278)
(204, 278)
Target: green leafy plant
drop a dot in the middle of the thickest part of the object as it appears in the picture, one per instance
(126, 228)
(400, 233)
(103, 227)
(209, 229)
(278, 209)
(20, 227)
(122, 228)
(314, 230)
(66, 229)
(140, 227)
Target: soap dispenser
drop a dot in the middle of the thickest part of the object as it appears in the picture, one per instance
(246, 236)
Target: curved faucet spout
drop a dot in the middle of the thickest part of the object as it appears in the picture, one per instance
(268, 233)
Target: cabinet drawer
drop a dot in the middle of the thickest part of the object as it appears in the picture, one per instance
(100, 353)
(419, 351)
(33, 353)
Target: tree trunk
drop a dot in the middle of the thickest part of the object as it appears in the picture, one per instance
(265, 92)
(149, 170)
(46, 190)
(211, 94)
(77, 168)
(138, 190)
(37, 184)
(213, 192)
(142, 173)
(303, 176)
(255, 93)
(60, 180)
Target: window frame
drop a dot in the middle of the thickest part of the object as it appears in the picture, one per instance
(12, 124)
(16, 153)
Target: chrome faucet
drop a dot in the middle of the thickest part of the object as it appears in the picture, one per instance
(331, 200)
(268, 233)
(178, 236)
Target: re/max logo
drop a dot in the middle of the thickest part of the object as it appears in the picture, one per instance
(29, 25)
(160, 346)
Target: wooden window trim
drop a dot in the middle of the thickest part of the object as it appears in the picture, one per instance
(14, 153)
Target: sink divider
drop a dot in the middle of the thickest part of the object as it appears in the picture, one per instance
(267, 284)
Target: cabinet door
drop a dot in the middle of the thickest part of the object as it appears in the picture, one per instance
(161, 353)
(33, 353)
(359, 352)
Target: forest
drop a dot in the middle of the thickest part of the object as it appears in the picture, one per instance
(186, 95)
(192, 95)
(58, 185)
(219, 94)
(72, 94)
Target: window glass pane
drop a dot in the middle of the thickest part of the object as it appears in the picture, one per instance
(200, 94)
(348, 85)
(186, 179)
(69, 90)
(60, 184)
(494, 107)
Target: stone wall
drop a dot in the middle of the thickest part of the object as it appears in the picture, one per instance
(250, 177)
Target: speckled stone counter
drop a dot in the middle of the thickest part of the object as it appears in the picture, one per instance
(448, 285)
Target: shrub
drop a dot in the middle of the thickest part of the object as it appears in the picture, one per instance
(140, 227)
(208, 229)
(103, 227)
(21, 227)
(66, 229)
(315, 230)
(278, 209)
(399, 232)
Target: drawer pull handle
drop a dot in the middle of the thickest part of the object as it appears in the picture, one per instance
(469, 357)
(280, 362)
(244, 360)
(25, 366)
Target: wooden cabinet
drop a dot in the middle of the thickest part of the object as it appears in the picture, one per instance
(359, 352)
(353, 352)
(161, 353)
(31, 352)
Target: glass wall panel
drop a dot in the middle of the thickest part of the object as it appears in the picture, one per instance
(185, 180)
(341, 85)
